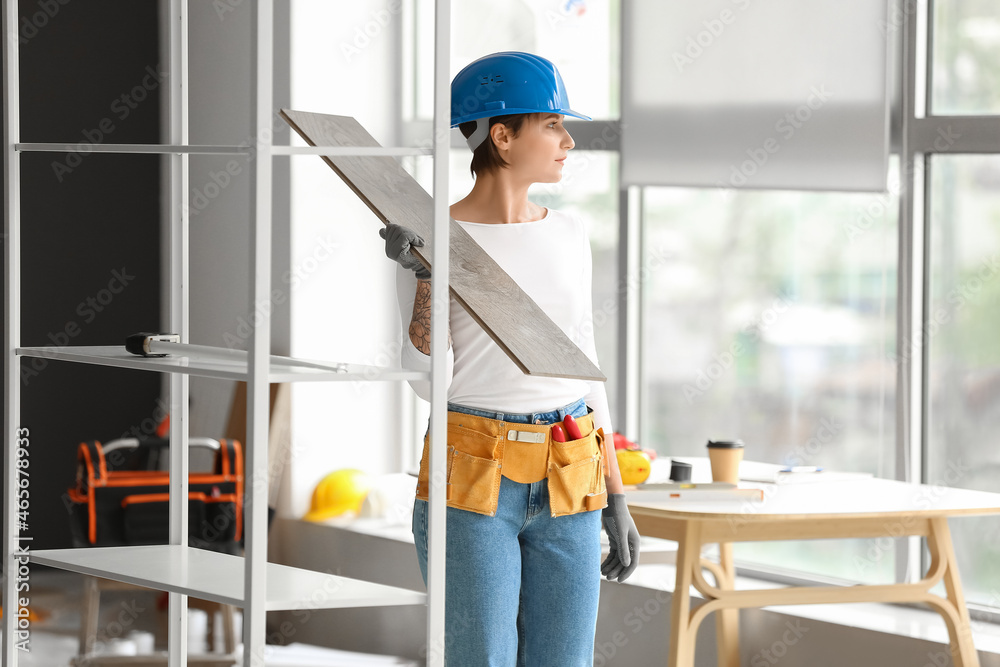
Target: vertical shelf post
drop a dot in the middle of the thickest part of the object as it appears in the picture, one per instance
(12, 327)
(178, 164)
(255, 502)
(439, 340)
(911, 287)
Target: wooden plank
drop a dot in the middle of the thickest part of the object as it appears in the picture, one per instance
(279, 438)
(511, 318)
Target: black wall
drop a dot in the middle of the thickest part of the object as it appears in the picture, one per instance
(90, 232)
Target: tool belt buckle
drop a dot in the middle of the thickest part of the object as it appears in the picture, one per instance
(526, 436)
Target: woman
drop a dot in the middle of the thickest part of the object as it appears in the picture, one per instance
(523, 534)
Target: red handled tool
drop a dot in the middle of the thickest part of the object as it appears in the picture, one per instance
(571, 428)
(558, 433)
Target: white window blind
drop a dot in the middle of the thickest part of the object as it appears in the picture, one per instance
(784, 94)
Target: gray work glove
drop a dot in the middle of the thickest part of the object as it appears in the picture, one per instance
(624, 539)
(398, 240)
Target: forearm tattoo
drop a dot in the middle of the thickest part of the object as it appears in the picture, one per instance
(420, 323)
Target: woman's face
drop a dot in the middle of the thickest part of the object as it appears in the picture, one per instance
(538, 151)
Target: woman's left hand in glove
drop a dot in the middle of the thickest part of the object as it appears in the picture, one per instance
(623, 537)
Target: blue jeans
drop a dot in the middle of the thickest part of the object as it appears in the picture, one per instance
(521, 587)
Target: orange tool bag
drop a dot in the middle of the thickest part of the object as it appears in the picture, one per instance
(122, 498)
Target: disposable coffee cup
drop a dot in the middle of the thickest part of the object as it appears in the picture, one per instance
(725, 456)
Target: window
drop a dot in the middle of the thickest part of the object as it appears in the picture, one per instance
(963, 382)
(966, 58)
(770, 316)
(580, 37)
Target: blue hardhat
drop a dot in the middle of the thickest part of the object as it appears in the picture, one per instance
(510, 82)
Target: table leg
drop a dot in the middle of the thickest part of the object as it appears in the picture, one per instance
(682, 635)
(727, 621)
(963, 651)
(91, 606)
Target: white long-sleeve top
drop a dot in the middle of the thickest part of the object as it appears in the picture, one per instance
(551, 261)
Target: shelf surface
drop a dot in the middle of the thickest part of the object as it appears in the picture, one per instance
(356, 151)
(208, 575)
(194, 149)
(226, 369)
(142, 149)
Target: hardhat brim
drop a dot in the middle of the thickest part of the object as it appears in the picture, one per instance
(508, 112)
(324, 514)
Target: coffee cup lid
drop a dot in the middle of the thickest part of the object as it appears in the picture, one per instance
(725, 444)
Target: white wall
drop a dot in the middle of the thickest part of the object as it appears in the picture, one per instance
(219, 98)
(343, 59)
(219, 224)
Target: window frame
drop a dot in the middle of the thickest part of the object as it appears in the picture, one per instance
(918, 134)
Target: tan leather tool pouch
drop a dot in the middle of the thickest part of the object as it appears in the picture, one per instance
(473, 478)
(576, 475)
(481, 450)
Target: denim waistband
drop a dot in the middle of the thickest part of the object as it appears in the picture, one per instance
(577, 408)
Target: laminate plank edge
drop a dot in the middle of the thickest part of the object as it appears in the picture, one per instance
(510, 317)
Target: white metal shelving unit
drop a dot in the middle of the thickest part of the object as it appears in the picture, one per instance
(249, 582)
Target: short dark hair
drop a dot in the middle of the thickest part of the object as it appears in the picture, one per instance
(486, 157)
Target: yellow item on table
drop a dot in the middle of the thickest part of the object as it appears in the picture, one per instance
(634, 465)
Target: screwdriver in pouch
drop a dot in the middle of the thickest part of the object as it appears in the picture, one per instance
(558, 433)
(572, 430)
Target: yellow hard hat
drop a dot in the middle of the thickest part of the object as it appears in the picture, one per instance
(339, 492)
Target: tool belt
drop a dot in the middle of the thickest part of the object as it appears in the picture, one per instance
(481, 450)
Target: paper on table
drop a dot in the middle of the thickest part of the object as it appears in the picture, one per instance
(755, 471)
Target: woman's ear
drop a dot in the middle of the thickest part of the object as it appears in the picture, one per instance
(500, 135)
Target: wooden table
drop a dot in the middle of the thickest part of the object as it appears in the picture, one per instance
(869, 508)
